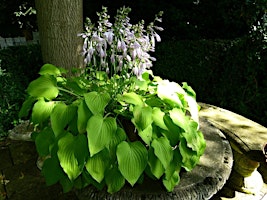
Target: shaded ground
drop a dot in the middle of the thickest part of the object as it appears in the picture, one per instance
(21, 179)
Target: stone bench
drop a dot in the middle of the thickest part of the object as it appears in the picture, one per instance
(247, 139)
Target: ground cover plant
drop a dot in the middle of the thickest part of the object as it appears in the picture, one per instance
(115, 122)
(18, 66)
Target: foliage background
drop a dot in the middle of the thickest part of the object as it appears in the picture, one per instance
(219, 48)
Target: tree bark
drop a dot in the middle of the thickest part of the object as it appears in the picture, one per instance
(59, 22)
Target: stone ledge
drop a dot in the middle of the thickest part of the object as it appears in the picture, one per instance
(245, 135)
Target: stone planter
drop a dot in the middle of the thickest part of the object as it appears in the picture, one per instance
(205, 180)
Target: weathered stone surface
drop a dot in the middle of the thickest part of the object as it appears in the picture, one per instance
(205, 180)
(22, 151)
(247, 135)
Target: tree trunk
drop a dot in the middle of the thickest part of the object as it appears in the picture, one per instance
(59, 22)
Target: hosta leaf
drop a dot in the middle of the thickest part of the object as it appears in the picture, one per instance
(43, 141)
(26, 107)
(173, 132)
(158, 120)
(100, 132)
(44, 86)
(155, 165)
(172, 182)
(97, 102)
(194, 138)
(146, 134)
(114, 180)
(163, 150)
(168, 92)
(192, 108)
(97, 165)
(175, 164)
(180, 119)
(41, 111)
(132, 98)
(116, 139)
(49, 69)
(190, 157)
(66, 183)
(61, 116)
(132, 160)
(142, 117)
(83, 116)
(52, 171)
(189, 90)
(72, 154)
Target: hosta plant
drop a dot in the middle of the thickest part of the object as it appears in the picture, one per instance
(116, 122)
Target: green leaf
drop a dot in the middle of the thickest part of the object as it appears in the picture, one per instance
(97, 102)
(168, 92)
(41, 111)
(100, 132)
(190, 157)
(116, 139)
(114, 180)
(172, 182)
(175, 164)
(44, 140)
(72, 154)
(173, 133)
(44, 86)
(180, 119)
(155, 165)
(66, 183)
(142, 117)
(132, 160)
(83, 116)
(61, 116)
(97, 165)
(194, 138)
(26, 107)
(131, 98)
(189, 90)
(163, 150)
(49, 69)
(52, 171)
(157, 116)
(146, 134)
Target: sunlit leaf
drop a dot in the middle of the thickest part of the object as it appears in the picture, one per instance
(100, 132)
(158, 120)
(97, 102)
(146, 134)
(172, 182)
(61, 116)
(155, 165)
(163, 150)
(83, 116)
(49, 69)
(132, 160)
(41, 111)
(131, 98)
(190, 157)
(97, 165)
(173, 132)
(72, 154)
(142, 117)
(44, 86)
(168, 92)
